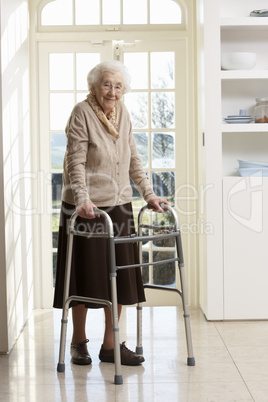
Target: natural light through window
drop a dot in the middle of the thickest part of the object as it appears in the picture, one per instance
(164, 12)
(87, 12)
(111, 12)
(134, 12)
(59, 12)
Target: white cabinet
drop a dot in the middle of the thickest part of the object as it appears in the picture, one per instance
(245, 222)
(232, 248)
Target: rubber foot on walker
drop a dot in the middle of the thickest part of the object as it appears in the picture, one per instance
(61, 367)
(118, 379)
(191, 361)
(139, 350)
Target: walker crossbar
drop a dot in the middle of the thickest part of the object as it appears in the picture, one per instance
(173, 231)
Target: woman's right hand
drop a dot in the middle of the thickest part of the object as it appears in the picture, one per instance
(86, 210)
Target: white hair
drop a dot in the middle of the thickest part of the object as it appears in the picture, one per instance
(94, 76)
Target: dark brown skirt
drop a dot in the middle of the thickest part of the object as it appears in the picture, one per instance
(90, 259)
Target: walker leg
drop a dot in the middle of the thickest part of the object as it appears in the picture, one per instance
(64, 322)
(186, 315)
(118, 379)
(139, 347)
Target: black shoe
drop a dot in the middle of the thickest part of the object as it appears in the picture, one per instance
(128, 358)
(80, 353)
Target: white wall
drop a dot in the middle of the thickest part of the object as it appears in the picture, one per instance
(16, 266)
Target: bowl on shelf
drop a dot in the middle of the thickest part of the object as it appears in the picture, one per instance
(238, 60)
(253, 171)
(238, 119)
(252, 164)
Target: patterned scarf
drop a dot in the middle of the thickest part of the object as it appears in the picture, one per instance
(110, 121)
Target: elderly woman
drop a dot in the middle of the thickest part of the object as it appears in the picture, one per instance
(100, 159)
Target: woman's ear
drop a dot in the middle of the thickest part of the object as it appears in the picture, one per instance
(93, 91)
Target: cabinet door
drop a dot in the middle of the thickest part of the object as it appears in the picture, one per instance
(245, 234)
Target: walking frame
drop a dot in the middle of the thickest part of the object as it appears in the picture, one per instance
(166, 232)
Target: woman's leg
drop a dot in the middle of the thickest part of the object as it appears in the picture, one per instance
(79, 314)
(108, 340)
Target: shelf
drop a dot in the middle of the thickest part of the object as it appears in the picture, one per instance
(244, 74)
(247, 22)
(245, 128)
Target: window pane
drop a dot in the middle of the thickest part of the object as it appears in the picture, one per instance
(81, 96)
(142, 147)
(162, 70)
(137, 104)
(163, 155)
(58, 146)
(134, 12)
(61, 106)
(56, 187)
(58, 12)
(61, 68)
(165, 219)
(164, 274)
(164, 185)
(87, 12)
(163, 115)
(137, 199)
(164, 12)
(84, 63)
(54, 264)
(137, 64)
(145, 270)
(111, 11)
(55, 229)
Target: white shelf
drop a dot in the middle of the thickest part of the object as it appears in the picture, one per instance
(245, 128)
(244, 74)
(247, 22)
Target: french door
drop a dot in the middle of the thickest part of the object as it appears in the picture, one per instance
(158, 109)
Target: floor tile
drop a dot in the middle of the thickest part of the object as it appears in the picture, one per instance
(231, 361)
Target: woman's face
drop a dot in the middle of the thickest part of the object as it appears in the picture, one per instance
(109, 90)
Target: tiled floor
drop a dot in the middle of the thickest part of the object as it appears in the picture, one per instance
(231, 361)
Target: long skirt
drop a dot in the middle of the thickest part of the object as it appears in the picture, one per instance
(90, 259)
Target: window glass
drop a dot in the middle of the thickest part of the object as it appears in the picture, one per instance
(164, 185)
(164, 274)
(87, 12)
(81, 96)
(134, 12)
(137, 104)
(84, 63)
(56, 187)
(58, 145)
(58, 12)
(61, 105)
(61, 69)
(145, 270)
(162, 70)
(164, 12)
(111, 12)
(163, 155)
(163, 110)
(137, 65)
(142, 147)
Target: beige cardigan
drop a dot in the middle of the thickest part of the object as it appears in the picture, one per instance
(97, 166)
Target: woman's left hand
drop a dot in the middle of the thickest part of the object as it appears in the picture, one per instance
(156, 201)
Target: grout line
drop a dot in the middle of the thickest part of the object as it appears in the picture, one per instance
(234, 362)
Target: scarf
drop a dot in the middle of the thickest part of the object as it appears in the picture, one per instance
(110, 121)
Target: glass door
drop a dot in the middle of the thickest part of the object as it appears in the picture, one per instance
(157, 107)
(63, 82)
(156, 104)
